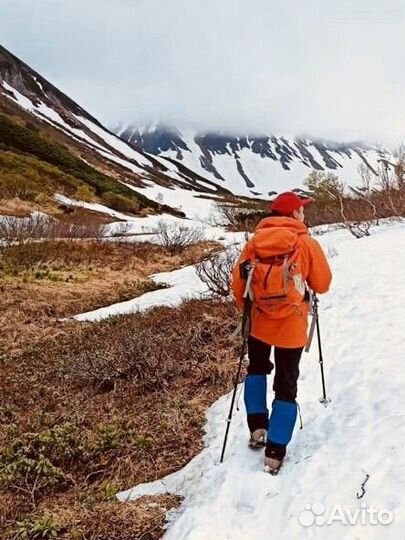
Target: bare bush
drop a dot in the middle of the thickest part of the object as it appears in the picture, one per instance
(98, 368)
(239, 216)
(15, 230)
(364, 192)
(354, 220)
(356, 212)
(21, 230)
(380, 194)
(120, 229)
(391, 192)
(165, 345)
(216, 270)
(175, 238)
(71, 231)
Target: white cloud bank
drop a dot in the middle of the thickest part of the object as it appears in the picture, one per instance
(332, 69)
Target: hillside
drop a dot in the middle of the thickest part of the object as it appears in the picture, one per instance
(49, 143)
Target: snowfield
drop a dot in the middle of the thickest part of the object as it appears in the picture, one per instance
(347, 463)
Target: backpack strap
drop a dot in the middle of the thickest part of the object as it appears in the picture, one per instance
(266, 277)
(286, 273)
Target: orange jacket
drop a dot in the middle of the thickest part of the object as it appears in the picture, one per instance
(289, 332)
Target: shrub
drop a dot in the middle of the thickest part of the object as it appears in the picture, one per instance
(100, 369)
(239, 215)
(37, 526)
(175, 238)
(33, 476)
(120, 203)
(176, 363)
(21, 230)
(380, 194)
(165, 344)
(29, 178)
(216, 271)
(85, 193)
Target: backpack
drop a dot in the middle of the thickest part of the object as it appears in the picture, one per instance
(277, 284)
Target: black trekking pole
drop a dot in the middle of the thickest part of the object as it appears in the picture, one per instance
(324, 400)
(245, 328)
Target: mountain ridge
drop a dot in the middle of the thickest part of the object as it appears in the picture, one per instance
(247, 163)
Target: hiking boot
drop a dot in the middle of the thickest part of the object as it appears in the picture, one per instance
(272, 465)
(274, 457)
(258, 438)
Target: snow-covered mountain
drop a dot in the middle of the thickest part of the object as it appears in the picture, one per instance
(210, 164)
(24, 93)
(252, 164)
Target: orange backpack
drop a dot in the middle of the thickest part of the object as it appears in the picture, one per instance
(277, 284)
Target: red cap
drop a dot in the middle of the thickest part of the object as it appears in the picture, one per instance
(287, 202)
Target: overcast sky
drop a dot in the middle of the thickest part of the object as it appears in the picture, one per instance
(332, 68)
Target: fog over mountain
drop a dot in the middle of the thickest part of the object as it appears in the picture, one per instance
(313, 68)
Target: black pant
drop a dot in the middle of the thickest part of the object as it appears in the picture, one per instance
(285, 377)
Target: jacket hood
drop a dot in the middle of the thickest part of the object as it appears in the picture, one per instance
(291, 224)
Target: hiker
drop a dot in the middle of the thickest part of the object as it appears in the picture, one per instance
(287, 264)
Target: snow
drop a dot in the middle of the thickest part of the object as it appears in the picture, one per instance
(51, 116)
(40, 85)
(116, 143)
(266, 173)
(123, 162)
(201, 208)
(360, 433)
(21, 100)
(172, 296)
(54, 117)
(92, 206)
(185, 200)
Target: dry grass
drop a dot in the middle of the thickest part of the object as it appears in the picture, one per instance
(144, 519)
(73, 214)
(45, 282)
(104, 434)
(90, 409)
(81, 216)
(18, 208)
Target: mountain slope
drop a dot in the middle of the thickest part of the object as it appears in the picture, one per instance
(251, 164)
(43, 123)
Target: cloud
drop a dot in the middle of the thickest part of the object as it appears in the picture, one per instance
(331, 69)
